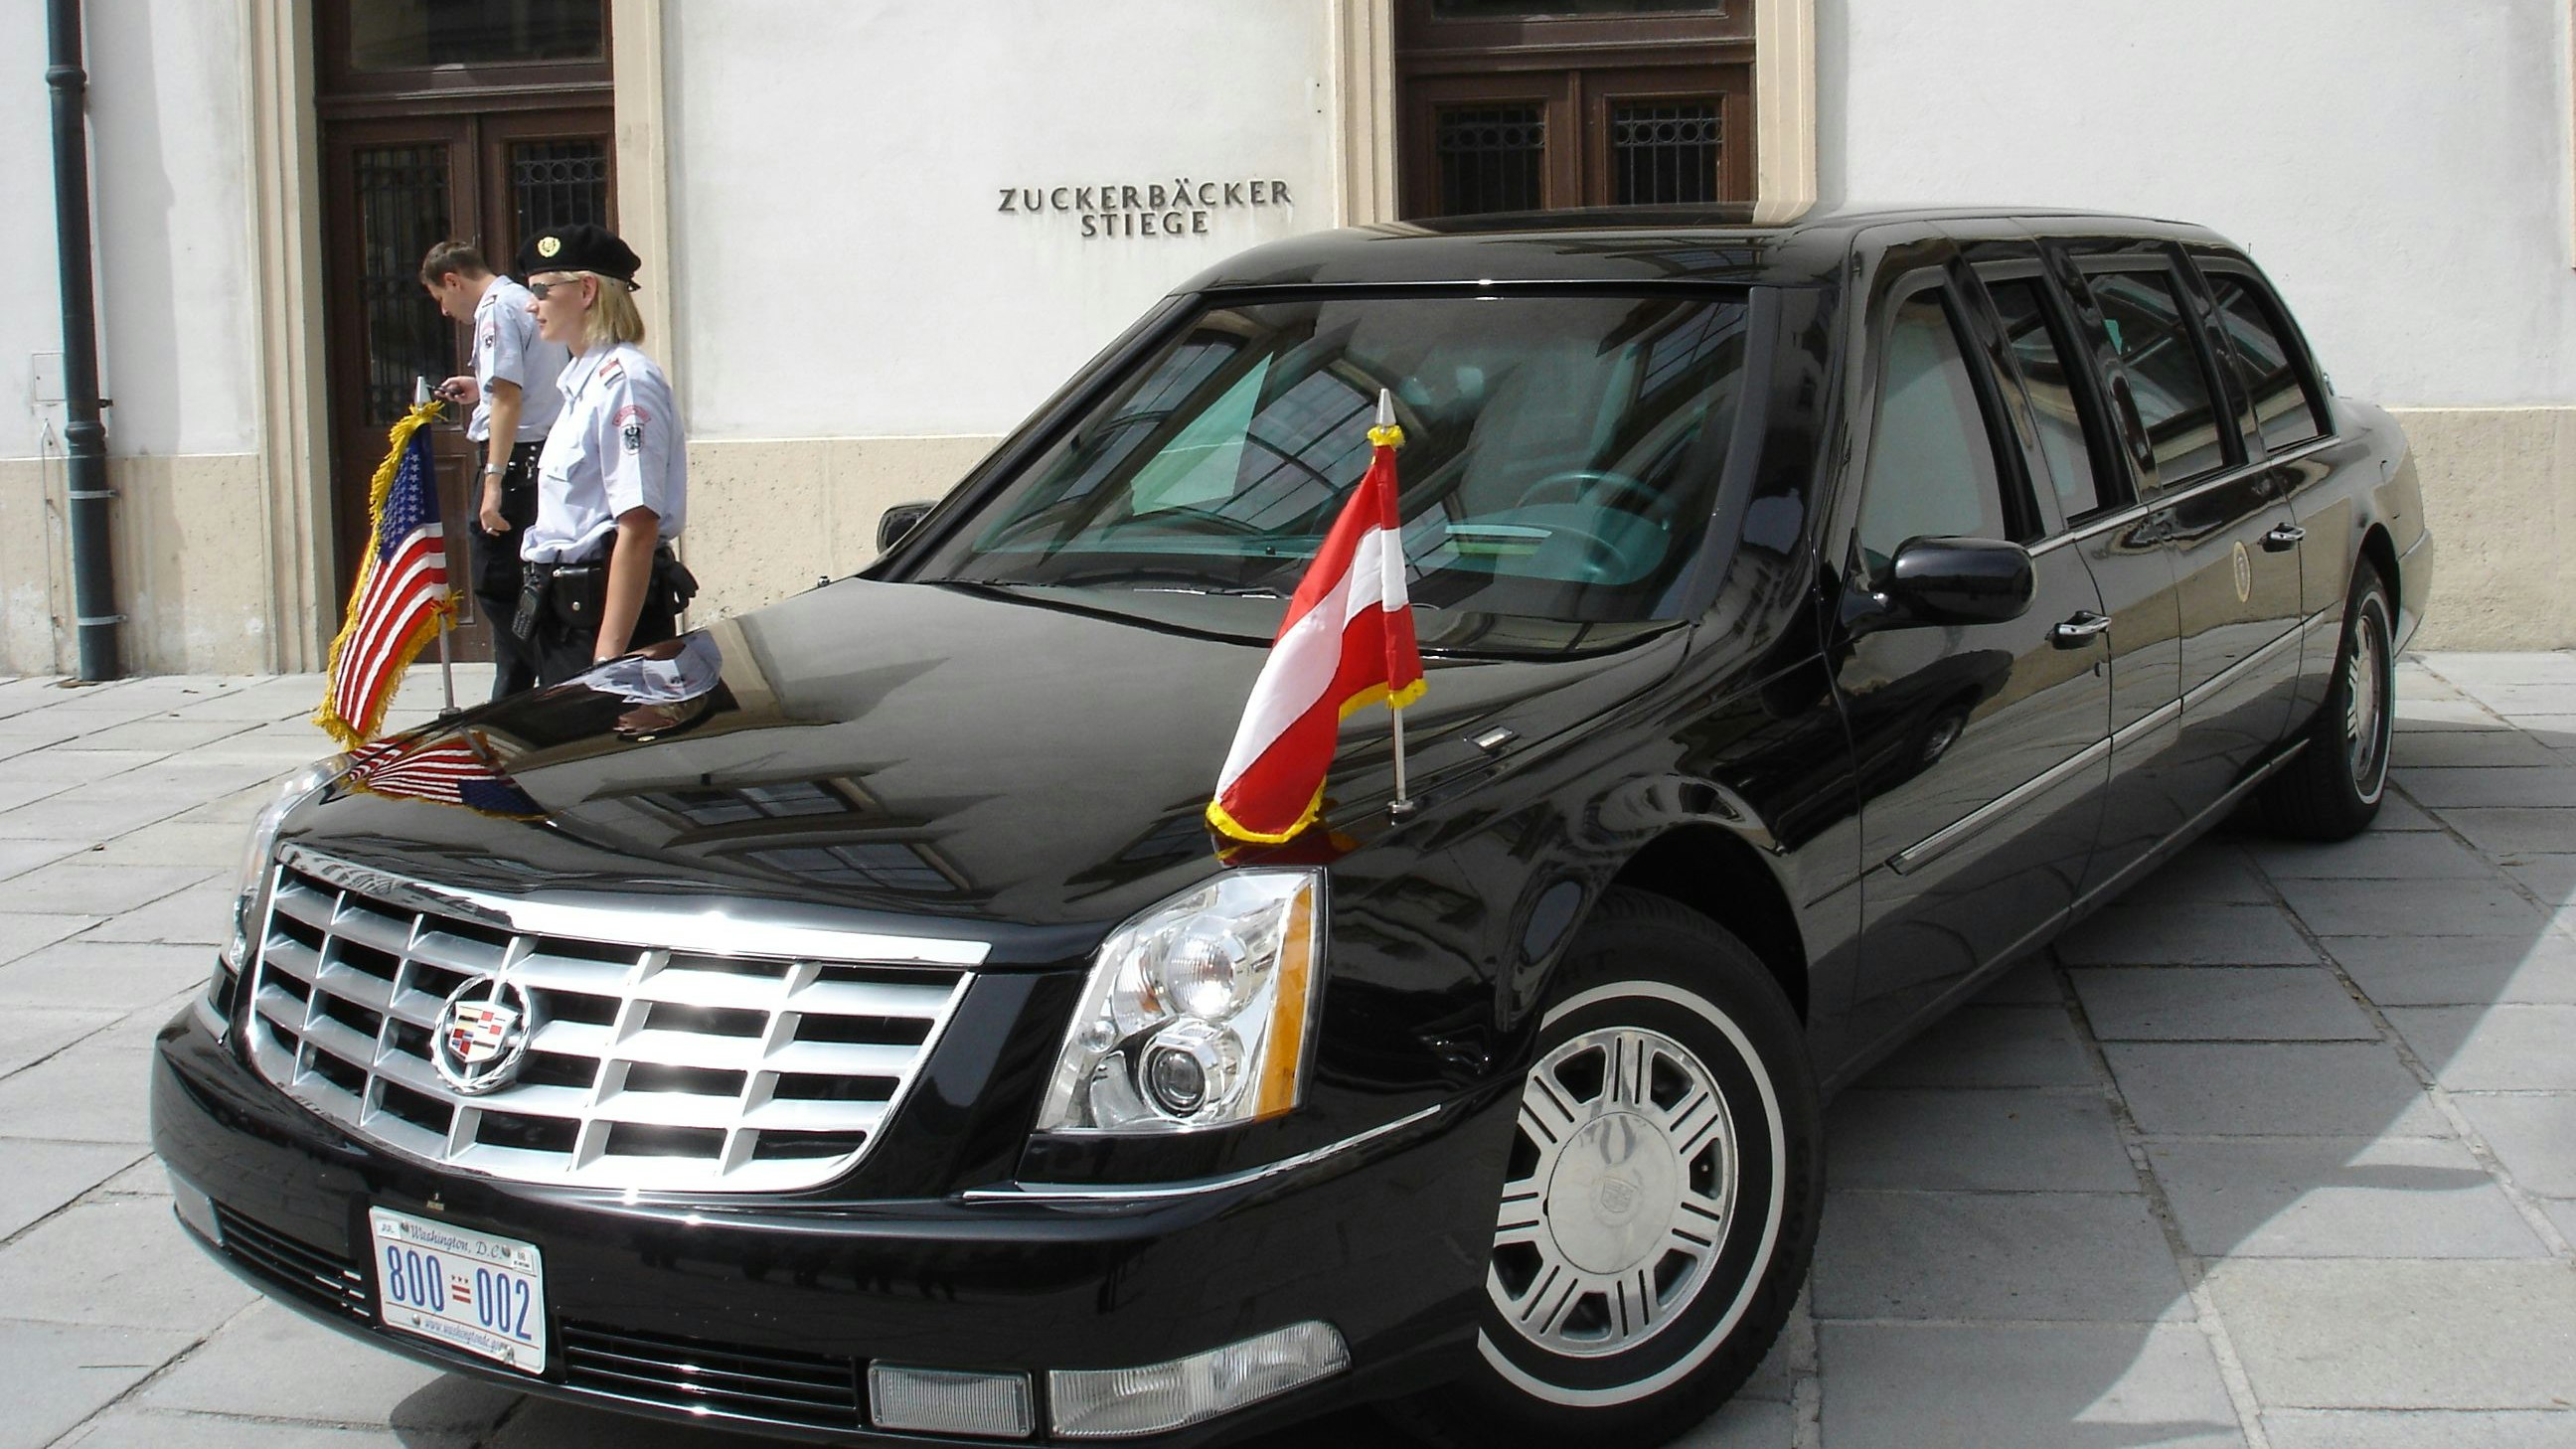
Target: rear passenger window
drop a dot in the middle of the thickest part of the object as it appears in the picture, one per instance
(2039, 348)
(2264, 363)
(2145, 317)
(1932, 457)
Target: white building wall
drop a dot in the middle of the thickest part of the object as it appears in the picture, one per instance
(171, 172)
(2401, 169)
(844, 268)
(30, 312)
(856, 317)
(178, 352)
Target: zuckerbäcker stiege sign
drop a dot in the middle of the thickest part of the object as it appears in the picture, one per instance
(1178, 207)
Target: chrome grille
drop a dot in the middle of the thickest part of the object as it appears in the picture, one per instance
(647, 1067)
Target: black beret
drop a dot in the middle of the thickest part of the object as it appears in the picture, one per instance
(579, 248)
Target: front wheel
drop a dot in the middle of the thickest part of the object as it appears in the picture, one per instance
(2333, 789)
(1658, 1209)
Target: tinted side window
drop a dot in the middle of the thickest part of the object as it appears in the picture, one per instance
(2264, 363)
(2145, 316)
(2039, 348)
(1931, 458)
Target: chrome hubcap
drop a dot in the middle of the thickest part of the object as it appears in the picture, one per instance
(1620, 1189)
(2365, 722)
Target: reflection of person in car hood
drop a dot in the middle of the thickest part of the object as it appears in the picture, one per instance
(671, 684)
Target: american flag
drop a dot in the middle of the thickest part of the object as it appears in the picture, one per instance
(402, 587)
(449, 773)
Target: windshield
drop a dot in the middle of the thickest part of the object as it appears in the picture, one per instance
(1561, 453)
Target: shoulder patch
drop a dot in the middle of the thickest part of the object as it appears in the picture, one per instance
(630, 421)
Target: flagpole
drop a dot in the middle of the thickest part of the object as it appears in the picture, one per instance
(1403, 804)
(446, 669)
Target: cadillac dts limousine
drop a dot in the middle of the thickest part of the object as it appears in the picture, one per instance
(839, 1023)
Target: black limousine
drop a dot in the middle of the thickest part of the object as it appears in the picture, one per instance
(839, 1022)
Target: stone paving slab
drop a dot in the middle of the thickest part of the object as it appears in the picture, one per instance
(2309, 1089)
(55, 1375)
(2423, 1429)
(2010, 1256)
(2473, 971)
(2179, 1182)
(2397, 1334)
(2339, 1197)
(2225, 934)
(1998, 1139)
(260, 1364)
(2532, 1133)
(2496, 1048)
(2217, 1003)
(1985, 1045)
(2059, 1386)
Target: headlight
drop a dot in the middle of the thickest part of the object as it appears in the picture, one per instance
(250, 896)
(1199, 1013)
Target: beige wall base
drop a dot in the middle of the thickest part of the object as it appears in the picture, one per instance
(2500, 497)
(191, 575)
(769, 517)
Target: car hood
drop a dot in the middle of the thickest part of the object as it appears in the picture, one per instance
(1030, 763)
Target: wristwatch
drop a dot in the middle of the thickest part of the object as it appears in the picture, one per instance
(495, 470)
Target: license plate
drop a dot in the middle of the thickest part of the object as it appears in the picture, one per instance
(483, 1294)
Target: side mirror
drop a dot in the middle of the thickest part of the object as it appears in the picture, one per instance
(1956, 581)
(898, 521)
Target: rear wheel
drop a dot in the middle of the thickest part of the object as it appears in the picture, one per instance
(1658, 1209)
(2333, 789)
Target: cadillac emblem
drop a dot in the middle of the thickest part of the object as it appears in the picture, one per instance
(482, 1035)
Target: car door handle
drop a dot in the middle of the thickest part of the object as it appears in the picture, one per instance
(2283, 538)
(2079, 631)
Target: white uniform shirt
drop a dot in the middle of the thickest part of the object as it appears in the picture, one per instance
(508, 349)
(616, 445)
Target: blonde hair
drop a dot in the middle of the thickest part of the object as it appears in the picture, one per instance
(612, 316)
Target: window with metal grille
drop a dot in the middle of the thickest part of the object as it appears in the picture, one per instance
(740, 804)
(1665, 153)
(1547, 9)
(402, 211)
(414, 34)
(889, 864)
(1490, 158)
(559, 183)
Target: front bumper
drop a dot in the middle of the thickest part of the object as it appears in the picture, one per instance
(768, 1316)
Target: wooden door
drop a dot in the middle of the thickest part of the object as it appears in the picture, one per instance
(393, 187)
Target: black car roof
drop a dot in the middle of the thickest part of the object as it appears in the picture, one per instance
(1617, 244)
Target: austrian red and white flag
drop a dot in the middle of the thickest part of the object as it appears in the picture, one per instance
(1347, 642)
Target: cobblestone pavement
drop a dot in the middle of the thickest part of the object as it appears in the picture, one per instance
(2279, 1151)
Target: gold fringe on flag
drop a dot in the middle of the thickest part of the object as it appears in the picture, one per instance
(328, 715)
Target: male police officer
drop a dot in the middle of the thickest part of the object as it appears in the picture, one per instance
(515, 401)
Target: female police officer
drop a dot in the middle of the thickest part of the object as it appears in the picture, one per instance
(612, 482)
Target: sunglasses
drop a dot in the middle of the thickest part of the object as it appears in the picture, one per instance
(539, 290)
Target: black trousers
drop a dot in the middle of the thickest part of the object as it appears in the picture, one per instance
(496, 567)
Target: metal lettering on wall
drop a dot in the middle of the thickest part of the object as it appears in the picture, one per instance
(1179, 207)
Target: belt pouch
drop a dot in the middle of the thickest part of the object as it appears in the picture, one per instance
(576, 596)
